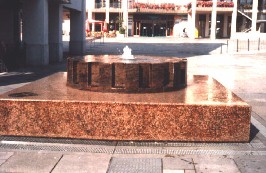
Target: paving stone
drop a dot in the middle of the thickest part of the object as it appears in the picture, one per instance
(177, 163)
(30, 162)
(133, 165)
(248, 164)
(259, 126)
(173, 171)
(2, 161)
(96, 163)
(5, 155)
(210, 164)
(190, 171)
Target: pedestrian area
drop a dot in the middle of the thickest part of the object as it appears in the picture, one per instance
(244, 74)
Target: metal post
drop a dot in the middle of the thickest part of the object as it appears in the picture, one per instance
(227, 46)
(259, 44)
(236, 45)
(221, 48)
(248, 44)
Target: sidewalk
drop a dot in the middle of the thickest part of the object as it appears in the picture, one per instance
(243, 74)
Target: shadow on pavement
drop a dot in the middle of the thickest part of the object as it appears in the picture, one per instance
(253, 132)
(29, 74)
(157, 49)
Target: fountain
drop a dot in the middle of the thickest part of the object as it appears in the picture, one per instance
(126, 97)
(126, 73)
(127, 53)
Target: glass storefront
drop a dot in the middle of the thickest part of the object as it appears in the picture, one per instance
(152, 25)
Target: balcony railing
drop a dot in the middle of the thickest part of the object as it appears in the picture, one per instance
(115, 5)
(112, 5)
(100, 5)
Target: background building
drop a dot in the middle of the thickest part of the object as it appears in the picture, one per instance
(202, 19)
(139, 17)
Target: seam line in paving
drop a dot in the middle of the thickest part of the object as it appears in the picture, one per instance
(56, 163)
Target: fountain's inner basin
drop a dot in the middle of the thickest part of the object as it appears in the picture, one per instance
(115, 73)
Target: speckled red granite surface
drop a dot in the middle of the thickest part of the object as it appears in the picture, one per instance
(203, 111)
(112, 73)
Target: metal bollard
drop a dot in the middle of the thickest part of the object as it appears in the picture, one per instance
(259, 44)
(227, 46)
(236, 45)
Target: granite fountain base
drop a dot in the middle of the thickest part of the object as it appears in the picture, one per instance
(204, 111)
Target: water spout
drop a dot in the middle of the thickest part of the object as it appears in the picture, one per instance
(127, 53)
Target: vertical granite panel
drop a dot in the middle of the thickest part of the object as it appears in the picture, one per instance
(158, 75)
(75, 72)
(144, 75)
(166, 74)
(89, 73)
(120, 75)
(132, 77)
(69, 71)
(95, 76)
(82, 69)
(105, 72)
(177, 75)
(171, 74)
(183, 72)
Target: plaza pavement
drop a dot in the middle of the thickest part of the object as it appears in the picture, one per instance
(242, 73)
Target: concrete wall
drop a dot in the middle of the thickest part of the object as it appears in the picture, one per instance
(77, 44)
(35, 31)
(42, 28)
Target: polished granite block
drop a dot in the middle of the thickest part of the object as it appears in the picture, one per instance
(120, 75)
(112, 73)
(132, 77)
(204, 111)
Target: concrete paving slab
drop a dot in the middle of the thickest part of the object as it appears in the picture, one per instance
(190, 171)
(262, 138)
(257, 143)
(5, 155)
(177, 163)
(96, 163)
(133, 165)
(247, 164)
(2, 161)
(210, 164)
(173, 171)
(30, 162)
(259, 126)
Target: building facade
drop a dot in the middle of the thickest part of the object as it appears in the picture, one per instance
(138, 17)
(198, 19)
